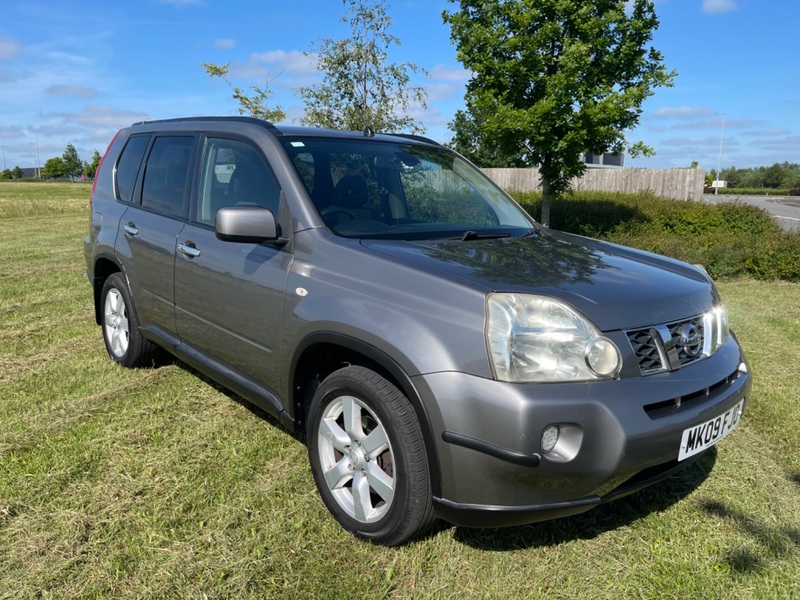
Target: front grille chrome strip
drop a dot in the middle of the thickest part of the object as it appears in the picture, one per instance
(669, 346)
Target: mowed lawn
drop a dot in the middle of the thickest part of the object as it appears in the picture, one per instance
(157, 483)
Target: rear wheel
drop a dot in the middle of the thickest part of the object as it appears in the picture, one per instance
(124, 341)
(368, 457)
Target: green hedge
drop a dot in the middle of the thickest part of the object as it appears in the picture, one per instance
(732, 191)
(729, 239)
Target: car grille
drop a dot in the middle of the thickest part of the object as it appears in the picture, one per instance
(666, 408)
(668, 347)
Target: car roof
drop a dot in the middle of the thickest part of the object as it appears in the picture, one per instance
(289, 130)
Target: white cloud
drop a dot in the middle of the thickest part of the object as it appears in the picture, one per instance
(292, 61)
(717, 7)
(72, 91)
(9, 48)
(682, 112)
(767, 132)
(686, 141)
(716, 123)
(442, 91)
(285, 69)
(791, 143)
(225, 44)
(102, 116)
(7, 131)
(440, 72)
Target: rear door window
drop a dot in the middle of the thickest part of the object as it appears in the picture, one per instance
(167, 175)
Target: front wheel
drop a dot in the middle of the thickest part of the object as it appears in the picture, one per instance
(368, 457)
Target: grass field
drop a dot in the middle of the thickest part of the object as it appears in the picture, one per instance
(156, 483)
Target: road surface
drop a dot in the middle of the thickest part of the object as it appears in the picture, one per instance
(785, 209)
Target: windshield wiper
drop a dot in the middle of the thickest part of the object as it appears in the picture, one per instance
(535, 232)
(468, 236)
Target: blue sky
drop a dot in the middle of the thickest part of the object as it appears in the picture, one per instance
(76, 71)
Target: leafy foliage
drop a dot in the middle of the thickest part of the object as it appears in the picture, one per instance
(360, 88)
(554, 79)
(783, 175)
(54, 168)
(91, 168)
(255, 105)
(73, 165)
(8, 174)
(729, 239)
(742, 191)
(468, 141)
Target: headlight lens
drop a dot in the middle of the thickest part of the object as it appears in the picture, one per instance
(535, 338)
(715, 324)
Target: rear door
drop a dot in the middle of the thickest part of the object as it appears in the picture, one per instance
(149, 229)
(229, 296)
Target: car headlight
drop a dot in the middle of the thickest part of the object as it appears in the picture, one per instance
(716, 327)
(540, 339)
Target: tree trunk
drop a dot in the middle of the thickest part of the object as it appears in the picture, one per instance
(547, 196)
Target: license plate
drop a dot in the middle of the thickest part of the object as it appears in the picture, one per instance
(698, 438)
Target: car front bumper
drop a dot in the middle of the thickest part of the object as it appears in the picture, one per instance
(626, 434)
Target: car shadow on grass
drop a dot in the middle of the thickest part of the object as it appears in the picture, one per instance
(768, 541)
(243, 402)
(605, 517)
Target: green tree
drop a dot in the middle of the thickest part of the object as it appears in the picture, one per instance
(73, 165)
(732, 176)
(552, 79)
(18, 172)
(360, 88)
(54, 168)
(90, 169)
(468, 140)
(6, 174)
(792, 178)
(773, 175)
(255, 105)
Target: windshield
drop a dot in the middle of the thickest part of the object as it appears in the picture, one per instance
(375, 189)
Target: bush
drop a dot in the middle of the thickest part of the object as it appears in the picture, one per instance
(729, 239)
(794, 192)
(754, 191)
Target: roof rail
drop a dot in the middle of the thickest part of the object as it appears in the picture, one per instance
(252, 120)
(418, 138)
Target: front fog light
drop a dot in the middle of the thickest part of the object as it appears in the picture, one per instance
(550, 438)
(602, 357)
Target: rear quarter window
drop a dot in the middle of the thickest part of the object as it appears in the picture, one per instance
(128, 166)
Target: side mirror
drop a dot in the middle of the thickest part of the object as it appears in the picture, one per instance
(247, 224)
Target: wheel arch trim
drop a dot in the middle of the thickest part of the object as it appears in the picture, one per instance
(385, 362)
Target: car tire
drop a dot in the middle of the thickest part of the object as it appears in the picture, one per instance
(124, 342)
(368, 457)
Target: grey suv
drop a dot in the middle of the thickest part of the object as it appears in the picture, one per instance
(444, 354)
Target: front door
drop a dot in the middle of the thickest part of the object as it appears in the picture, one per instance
(229, 296)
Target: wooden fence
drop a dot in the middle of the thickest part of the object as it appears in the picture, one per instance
(680, 184)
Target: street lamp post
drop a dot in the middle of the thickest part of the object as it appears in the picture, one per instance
(719, 157)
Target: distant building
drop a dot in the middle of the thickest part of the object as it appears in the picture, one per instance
(607, 159)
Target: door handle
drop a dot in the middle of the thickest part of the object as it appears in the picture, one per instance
(130, 228)
(189, 249)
